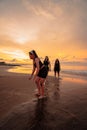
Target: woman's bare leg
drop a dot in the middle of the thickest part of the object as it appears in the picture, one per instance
(58, 74)
(41, 84)
(55, 73)
(37, 84)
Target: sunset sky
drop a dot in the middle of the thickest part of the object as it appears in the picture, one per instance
(57, 28)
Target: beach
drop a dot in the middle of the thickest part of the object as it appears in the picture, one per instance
(64, 108)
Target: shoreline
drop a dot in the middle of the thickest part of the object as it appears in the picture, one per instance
(4, 71)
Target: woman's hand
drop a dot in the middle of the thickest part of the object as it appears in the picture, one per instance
(30, 77)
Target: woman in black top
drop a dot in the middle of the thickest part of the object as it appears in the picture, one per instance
(47, 63)
(41, 73)
(56, 67)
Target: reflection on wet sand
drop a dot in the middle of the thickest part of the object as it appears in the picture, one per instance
(56, 93)
(38, 122)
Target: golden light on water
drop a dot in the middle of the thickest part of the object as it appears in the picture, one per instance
(22, 70)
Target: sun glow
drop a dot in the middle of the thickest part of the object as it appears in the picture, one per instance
(18, 54)
(21, 40)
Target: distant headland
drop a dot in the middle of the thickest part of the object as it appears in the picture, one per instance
(9, 64)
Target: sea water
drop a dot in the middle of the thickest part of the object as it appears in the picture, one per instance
(69, 68)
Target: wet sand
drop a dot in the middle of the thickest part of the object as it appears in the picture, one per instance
(64, 108)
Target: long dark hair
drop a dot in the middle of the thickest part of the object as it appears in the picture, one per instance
(33, 53)
(57, 61)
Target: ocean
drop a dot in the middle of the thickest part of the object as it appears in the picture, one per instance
(78, 69)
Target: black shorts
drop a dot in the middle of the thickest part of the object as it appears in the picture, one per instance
(43, 72)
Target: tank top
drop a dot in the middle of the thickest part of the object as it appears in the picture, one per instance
(40, 64)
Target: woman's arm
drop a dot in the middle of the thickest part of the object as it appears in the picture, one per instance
(37, 67)
(49, 65)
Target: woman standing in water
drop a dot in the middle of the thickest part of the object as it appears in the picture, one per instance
(56, 67)
(40, 73)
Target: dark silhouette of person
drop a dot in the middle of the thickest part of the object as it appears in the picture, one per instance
(47, 63)
(56, 67)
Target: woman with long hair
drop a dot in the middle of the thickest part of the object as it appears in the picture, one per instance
(39, 72)
(56, 67)
(46, 62)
